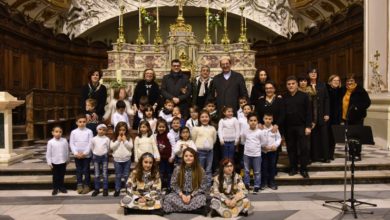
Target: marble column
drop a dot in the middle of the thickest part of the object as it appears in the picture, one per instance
(376, 49)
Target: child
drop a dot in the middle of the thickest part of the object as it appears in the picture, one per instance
(139, 115)
(184, 142)
(165, 150)
(242, 101)
(79, 144)
(100, 145)
(57, 157)
(119, 94)
(212, 110)
(239, 162)
(174, 136)
(228, 132)
(205, 137)
(268, 156)
(228, 193)
(145, 142)
(120, 114)
(92, 117)
(188, 186)
(176, 113)
(193, 120)
(121, 148)
(149, 117)
(253, 138)
(144, 186)
(166, 112)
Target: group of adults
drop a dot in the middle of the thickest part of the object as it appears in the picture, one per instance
(304, 114)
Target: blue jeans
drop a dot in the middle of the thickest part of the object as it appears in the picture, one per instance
(229, 149)
(268, 168)
(101, 167)
(82, 168)
(255, 164)
(122, 170)
(166, 170)
(206, 161)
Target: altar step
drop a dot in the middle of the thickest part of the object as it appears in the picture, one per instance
(19, 136)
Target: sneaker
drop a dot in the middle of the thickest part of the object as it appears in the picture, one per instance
(105, 192)
(79, 189)
(63, 190)
(256, 190)
(86, 190)
(95, 193)
(55, 192)
(116, 193)
(262, 187)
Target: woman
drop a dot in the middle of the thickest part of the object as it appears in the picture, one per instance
(228, 192)
(355, 103)
(319, 133)
(261, 76)
(334, 91)
(147, 87)
(95, 90)
(189, 185)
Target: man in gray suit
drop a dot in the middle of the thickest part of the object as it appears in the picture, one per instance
(176, 86)
(228, 87)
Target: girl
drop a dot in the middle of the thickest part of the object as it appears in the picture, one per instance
(228, 132)
(145, 142)
(205, 137)
(121, 148)
(228, 192)
(188, 186)
(110, 109)
(184, 142)
(193, 120)
(165, 150)
(148, 114)
(144, 186)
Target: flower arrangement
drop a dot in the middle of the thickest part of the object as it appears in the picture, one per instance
(149, 17)
(215, 19)
(117, 85)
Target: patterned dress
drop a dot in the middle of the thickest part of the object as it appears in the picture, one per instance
(218, 202)
(148, 188)
(174, 203)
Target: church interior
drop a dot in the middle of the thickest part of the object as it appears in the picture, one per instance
(47, 48)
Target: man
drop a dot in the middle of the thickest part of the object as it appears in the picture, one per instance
(201, 87)
(228, 86)
(298, 127)
(176, 86)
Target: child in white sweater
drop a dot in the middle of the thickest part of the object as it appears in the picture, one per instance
(57, 157)
(145, 142)
(193, 120)
(174, 136)
(228, 132)
(184, 142)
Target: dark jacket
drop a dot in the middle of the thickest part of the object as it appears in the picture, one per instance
(141, 90)
(358, 104)
(257, 91)
(276, 107)
(164, 146)
(298, 110)
(196, 100)
(99, 94)
(335, 100)
(322, 102)
(227, 92)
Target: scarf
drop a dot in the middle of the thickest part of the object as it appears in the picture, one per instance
(202, 89)
(92, 89)
(346, 99)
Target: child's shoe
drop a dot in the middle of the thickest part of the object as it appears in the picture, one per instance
(95, 193)
(256, 190)
(55, 192)
(86, 190)
(105, 192)
(116, 194)
(79, 189)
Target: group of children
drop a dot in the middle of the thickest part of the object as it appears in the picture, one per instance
(162, 144)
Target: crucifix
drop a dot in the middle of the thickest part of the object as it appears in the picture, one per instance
(377, 55)
(180, 4)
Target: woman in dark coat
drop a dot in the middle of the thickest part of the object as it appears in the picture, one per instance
(319, 134)
(94, 90)
(261, 76)
(147, 87)
(334, 91)
(355, 102)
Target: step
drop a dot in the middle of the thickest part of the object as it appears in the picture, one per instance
(18, 128)
(23, 143)
(19, 135)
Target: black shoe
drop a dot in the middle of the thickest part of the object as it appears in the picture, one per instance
(262, 187)
(293, 172)
(63, 190)
(358, 158)
(105, 192)
(245, 214)
(247, 187)
(325, 161)
(273, 187)
(305, 174)
(95, 193)
(54, 192)
(256, 190)
(214, 213)
(116, 193)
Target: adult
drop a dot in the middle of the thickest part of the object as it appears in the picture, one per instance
(201, 86)
(147, 87)
(334, 91)
(261, 76)
(176, 86)
(228, 86)
(94, 90)
(355, 103)
(298, 127)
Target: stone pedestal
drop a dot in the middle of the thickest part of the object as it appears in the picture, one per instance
(378, 117)
(7, 156)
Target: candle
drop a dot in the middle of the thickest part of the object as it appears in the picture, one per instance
(208, 4)
(225, 19)
(158, 15)
(244, 22)
(119, 18)
(119, 76)
(139, 14)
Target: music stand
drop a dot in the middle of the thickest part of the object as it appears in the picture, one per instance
(351, 136)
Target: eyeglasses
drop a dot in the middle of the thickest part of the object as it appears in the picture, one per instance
(176, 65)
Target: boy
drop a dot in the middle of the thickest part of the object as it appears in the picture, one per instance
(92, 122)
(212, 109)
(139, 115)
(100, 145)
(193, 120)
(174, 135)
(253, 138)
(271, 143)
(166, 111)
(120, 114)
(79, 144)
(239, 161)
(57, 157)
(242, 101)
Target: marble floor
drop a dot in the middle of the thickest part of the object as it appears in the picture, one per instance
(288, 202)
